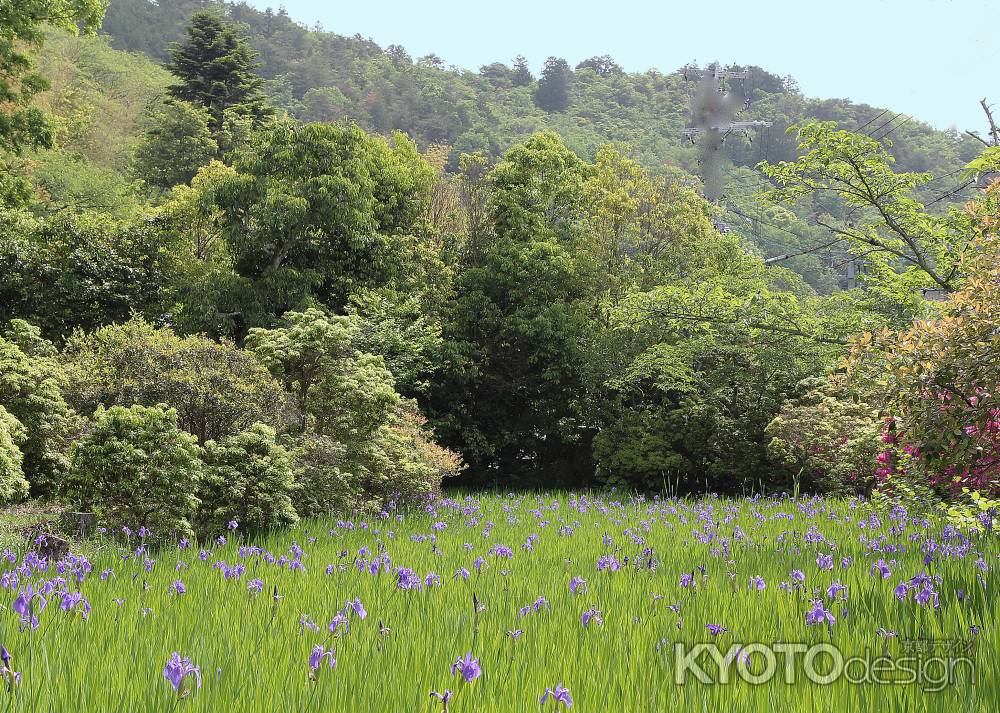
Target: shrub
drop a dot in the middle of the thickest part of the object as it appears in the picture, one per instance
(325, 479)
(31, 391)
(136, 468)
(826, 435)
(12, 482)
(217, 389)
(359, 442)
(247, 478)
(397, 463)
(938, 382)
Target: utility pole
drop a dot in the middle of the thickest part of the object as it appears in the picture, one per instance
(714, 112)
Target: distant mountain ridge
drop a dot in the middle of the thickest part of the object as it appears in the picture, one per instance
(321, 76)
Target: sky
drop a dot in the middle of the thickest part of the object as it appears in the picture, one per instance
(932, 59)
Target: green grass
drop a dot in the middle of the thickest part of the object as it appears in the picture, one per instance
(252, 651)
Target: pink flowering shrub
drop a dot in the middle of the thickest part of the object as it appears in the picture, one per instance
(938, 382)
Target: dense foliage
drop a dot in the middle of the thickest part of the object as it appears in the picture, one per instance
(330, 277)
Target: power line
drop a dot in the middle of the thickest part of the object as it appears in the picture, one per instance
(886, 134)
(873, 119)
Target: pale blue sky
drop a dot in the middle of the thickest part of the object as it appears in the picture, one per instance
(933, 59)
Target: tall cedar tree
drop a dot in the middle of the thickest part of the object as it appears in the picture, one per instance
(521, 76)
(552, 93)
(216, 66)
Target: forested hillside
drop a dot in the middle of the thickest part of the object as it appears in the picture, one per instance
(317, 75)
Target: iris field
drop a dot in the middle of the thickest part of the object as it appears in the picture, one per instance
(491, 601)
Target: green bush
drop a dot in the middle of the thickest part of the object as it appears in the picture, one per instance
(830, 437)
(136, 468)
(247, 478)
(359, 443)
(31, 391)
(12, 482)
(217, 389)
(325, 479)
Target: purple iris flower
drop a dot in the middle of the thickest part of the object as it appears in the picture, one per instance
(716, 629)
(358, 608)
(27, 604)
(824, 561)
(836, 589)
(443, 697)
(559, 694)
(926, 595)
(467, 667)
(592, 615)
(900, 591)
(316, 658)
(757, 582)
(819, 614)
(177, 587)
(232, 525)
(687, 580)
(881, 568)
(577, 585)
(177, 670)
(339, 619)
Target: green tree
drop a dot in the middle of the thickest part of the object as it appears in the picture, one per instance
(521, 75)
(552, 93)
(136, 468)
(359, 442)
(217, 70)
(828, 436)
(304, 351)
(247, 477)
(91, 269)
(603, 65)
(904, 246)
(317, 211)
(177, 143)
(508, 398)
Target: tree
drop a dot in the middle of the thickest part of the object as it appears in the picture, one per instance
(359, 442)
(31, 381)
(304, 352)
(827, 436)
(603, 65)
(521, 75)
(247, 477)
(136, 468)
(552, 93)
(91, 268)
(508, 397)
(315, 211)
(177, 143)
(497, 72)
(216, 389)
(217, 70)
(903, 245)
(23, 125)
